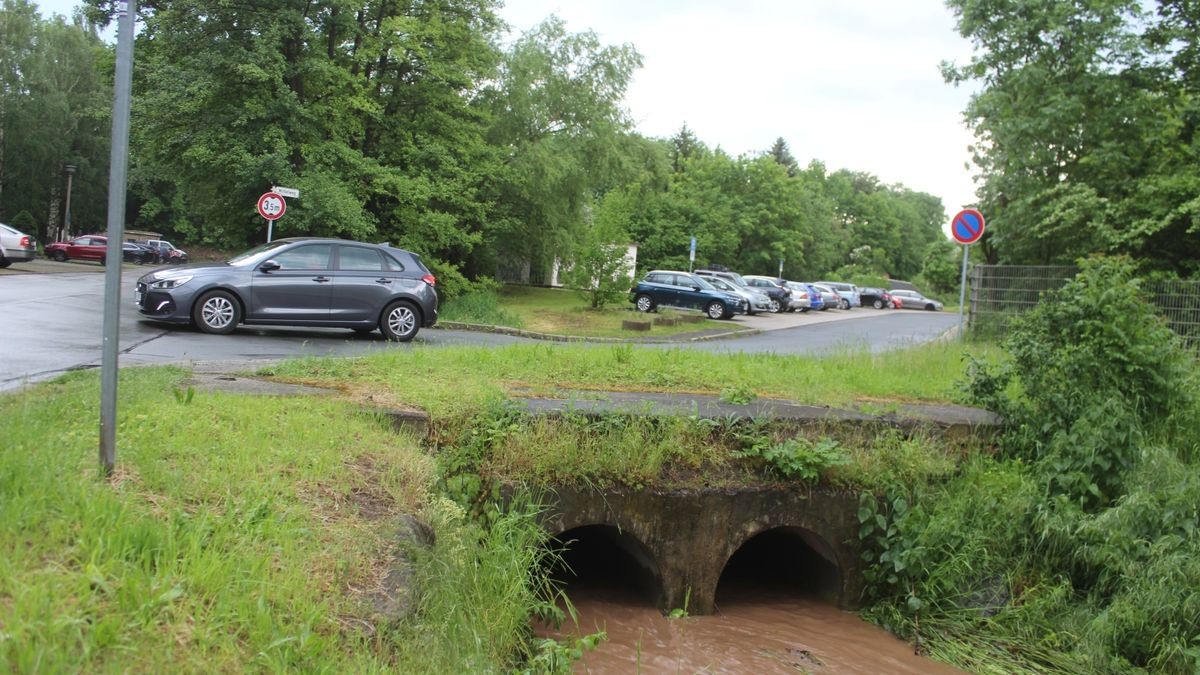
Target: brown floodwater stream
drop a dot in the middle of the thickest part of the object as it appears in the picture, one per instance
(753, 631)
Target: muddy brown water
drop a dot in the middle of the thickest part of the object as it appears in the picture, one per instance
(753, 631)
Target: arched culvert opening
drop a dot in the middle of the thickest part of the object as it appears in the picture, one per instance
(782, 561)
(602, 560)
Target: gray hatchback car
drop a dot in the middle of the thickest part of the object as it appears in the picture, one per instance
(298, 282)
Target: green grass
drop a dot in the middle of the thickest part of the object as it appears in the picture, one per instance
(557, 311)
(248, 533)
(237, 533)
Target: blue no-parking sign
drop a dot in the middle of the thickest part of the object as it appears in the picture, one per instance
(967, 226)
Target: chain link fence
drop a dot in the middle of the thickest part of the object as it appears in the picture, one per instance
(1001, 292)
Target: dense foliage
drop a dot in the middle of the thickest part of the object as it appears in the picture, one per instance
(1086, 121)
(55, 97)
(421, 123)
(1074, 548)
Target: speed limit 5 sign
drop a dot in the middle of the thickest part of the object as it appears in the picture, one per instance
(271, 206)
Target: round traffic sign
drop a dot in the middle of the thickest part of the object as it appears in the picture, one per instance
(967, 226)
(271, 206)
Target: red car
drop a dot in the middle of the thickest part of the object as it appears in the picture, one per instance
(897, 303)
(87, 247)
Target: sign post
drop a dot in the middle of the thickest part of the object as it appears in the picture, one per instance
(692, 255)
(966, 228)
(272, 207)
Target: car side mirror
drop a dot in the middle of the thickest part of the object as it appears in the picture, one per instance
(269, 266)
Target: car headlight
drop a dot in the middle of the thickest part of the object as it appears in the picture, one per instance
(170, 282)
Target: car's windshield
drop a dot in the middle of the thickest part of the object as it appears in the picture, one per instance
(718, 283)
(256, 254)
(703, 283)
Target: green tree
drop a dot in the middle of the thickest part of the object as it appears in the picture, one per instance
(598, 261)
(559, 123)
(780, 153)
(54, 110)
(1085, 117)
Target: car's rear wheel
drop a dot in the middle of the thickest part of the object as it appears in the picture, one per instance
(715, 310)
(775, 306)
(399, 321)
(878, 304)
(217, 312)
(644, 303)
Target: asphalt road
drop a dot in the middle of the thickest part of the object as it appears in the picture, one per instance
(51, 322)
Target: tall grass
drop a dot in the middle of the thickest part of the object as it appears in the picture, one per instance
(481, 307)
(238, 533)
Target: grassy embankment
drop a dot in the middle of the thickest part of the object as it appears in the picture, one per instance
(558, 311)
(250, 533)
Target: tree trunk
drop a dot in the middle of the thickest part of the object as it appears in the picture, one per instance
(52, 224)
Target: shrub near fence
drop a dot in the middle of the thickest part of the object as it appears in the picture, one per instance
(1001, 292)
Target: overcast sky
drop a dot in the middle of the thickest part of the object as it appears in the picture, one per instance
(852, 83)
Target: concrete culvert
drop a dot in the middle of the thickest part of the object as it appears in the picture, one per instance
(600, 559)
(781, 561)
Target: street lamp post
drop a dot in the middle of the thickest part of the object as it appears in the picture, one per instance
(68, 169)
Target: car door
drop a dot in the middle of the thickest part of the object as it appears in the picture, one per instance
(86, 248)
(363, 282)
(298, 291)
(688, 296)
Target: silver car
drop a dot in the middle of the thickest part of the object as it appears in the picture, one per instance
(15, 246)
(800, 301)
(756, 300)
(914, 300)
(298, 282)
(735, 279)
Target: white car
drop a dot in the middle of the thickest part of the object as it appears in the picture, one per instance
(800, 301)
(15, 246)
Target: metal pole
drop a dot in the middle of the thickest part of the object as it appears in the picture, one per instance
(962, 293)
(118, 166)
(270, 226)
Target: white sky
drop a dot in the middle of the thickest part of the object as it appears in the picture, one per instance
(853, 83)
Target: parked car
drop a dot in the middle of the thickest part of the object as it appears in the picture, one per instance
(829, 299)
(15, 246)
(304, 281)
(914, 300)
(670, 288)
(876, 297)
(138, 253)
(754, 297)
(737, 280)
(849, 293)
(815, 300)
(167, 253)
(774, 287)
(801, 300)
(87, 247)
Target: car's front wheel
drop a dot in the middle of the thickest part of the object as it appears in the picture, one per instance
(775, 306)
(878, 304)
(644, 303)
(4, 262)
(60, 256)
(715, 310)
(930, 307)
(400, 321)
(217, 312)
